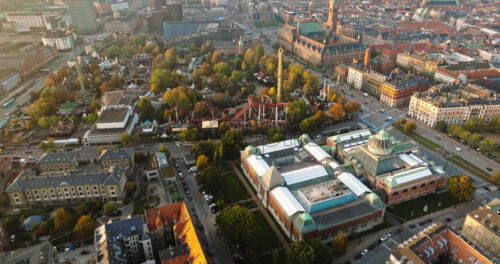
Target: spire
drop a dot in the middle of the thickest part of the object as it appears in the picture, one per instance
(331, 23)
(298, 28)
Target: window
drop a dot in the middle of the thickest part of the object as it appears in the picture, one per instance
(405, 190)
(413, 188)
(395, 193)
(432, 182)
(423, 185)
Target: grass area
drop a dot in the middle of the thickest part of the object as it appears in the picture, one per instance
(263, 24)
(265, 237)
(384, 225)
(434, 202)
(422, 140)
(466, 165)
(266, 259)
(232, 189)
(249, 204)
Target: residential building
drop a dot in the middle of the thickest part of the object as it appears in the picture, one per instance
(446, 76)
(395, 170)
(123, 241)
(123, 24)
(355, 77)
(9, 79)
(59, 162)
(454, 104)
(157, 163)
(417, 62)
(117, 157)
(367, 80)
(29, 189)
(439, 243)
(26, 22)
(481, 227)
(399, 88)
(173, 235)
(57, 39)
(83, 16)
(308, 193)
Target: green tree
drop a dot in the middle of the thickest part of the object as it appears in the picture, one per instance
(189, 134)
(4, 200)
(469, 125)
(461, 187)
(110, 207)
(309, 252)
(11, 224)
(82, 209)
(339, 244)
(441, 126)
(95, 106)
(474, 139)
(205, 148)
(232, 142)
(297, 110)
(210, 178)
(130, 187)
(161, 79)
(221, 68)
(128, 140)
(63, 220)
(236, 225)
(84, 227)
(100, 149)
(455, 130)
(145, 108)
(91, 118)
(42, 145)
(223, 128)
(308, 125)
(487, 145)
(410, 126)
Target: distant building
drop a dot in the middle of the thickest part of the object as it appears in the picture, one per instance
(439, 243)
(368, 81)
(308, 192)
(42, 253)
(174, 12)
(26, 22)
(157, 163)
(399, 87)
(83, 16)
(30, 189)
(454, 104)
(123, 241)
(481, 227)
(416, 62)
(57, 39)
(123, 23)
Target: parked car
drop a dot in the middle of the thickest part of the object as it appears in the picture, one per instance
(489, 169)
(357, 256)
(12, 238)
(428, 221)
(411, 226)
(85, 252)
(447, 219)
(397, 231)
(364, 252)
(421, 223)
(384, 238)
(372, 246)
(193, 169)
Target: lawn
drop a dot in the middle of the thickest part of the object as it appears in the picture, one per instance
(232, 189)
(466, 165)
(434, 202)
(266, 239)
(422, 140)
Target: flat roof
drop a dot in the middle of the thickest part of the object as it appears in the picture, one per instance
(278, 146)
(112, 115)
(304, 174)
(316, 151)
(356, 186)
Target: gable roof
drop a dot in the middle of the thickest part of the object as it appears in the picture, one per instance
(272, 177)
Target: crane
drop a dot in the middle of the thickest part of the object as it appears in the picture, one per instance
(84, 95)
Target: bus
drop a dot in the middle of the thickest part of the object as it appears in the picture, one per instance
(9, 103)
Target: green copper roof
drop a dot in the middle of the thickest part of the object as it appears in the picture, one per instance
(309, 27)
(403, 147)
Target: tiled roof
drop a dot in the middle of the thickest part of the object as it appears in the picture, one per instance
(60, 157)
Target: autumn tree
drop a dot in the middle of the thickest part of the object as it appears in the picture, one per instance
(339, 244)
(84, 227)
(216, 57)
(461, 187)
(63, 220)
(337, 112)
(320, 117)
(206, 69)
(352, 107)
(171, 58)
(201, 162)
(410, 126)
(189, 134)
(495, 177)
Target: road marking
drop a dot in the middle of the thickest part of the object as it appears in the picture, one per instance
(461, 219)
(388, 248)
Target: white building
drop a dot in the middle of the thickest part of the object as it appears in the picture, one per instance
(355, 76)
(446, 76)
(453, 105)
(57, 39)
(26, 22)
(157, 163)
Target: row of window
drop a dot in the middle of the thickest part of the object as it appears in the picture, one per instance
(413, 188)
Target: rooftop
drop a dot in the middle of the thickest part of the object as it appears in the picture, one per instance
(109, 115)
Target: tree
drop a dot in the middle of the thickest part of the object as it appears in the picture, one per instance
(441, 126)
(130, 187)
(11, 224)
(352, 107)
(95, 106)
(100, 149)
(145, 108)
(82, 209)
(461, 187)
(161, 79)
(128, 140)
(206, 69)
(171, 58)
(223, 127)
(487, 145)
(84, 227)
(469, 125)
(42, 145)
(210, 178)
(232, 142)
(201, 162)
(204, 148)
(189, 134)
(410, 126)
(455, 130)
(309, 252)
(236, 225)
(337, 112)
(495, 177)
(221, 68)
(339, 244)
(42, 107)
(216, 57)
(4, 200)
(297, 110)
(91, 118)
(34, 95)
(307, 125)
(474, 139)
(63, 220)
(320, 117)
(110, 207)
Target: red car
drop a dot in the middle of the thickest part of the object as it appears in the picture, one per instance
(447, 219)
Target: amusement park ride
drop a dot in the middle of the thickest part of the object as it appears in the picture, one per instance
(261, 110)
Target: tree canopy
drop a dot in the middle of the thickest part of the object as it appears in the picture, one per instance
(236, 225)
(461, 187)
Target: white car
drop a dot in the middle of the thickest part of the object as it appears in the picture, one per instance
(384, 238)
(193, 169)
(364, 252)
(458, 149)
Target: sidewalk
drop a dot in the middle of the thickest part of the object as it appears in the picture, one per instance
(284, 242)
(357, 245)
